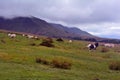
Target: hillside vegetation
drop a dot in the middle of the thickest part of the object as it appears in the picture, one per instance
(18, 60)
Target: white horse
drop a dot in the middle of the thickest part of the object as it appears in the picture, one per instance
(109, 45)
(9, 34)
(70, 41)
(12, 35)
(30, 36)
(23, 35)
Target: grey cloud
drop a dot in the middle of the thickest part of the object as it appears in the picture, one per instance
(94, 16)
(69, 11)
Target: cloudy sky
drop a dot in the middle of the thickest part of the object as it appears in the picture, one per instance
(98, 17)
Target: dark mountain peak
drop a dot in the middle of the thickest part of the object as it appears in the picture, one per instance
(38, 26)
(1, 17)
(73, 30)
(79, 31)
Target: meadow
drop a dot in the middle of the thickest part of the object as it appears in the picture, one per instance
(18, 60)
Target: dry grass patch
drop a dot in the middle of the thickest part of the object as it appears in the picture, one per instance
(5, 56)
(42, 61)
(61, 64)
(104, 50)
(56, 63)
(114, 65)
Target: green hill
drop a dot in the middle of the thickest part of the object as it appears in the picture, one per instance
(18, 60)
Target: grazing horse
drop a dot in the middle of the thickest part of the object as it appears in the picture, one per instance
(96, 44)
(70, 41)
(93, 46)
(109, 45)
(30, 36)
(12, 35)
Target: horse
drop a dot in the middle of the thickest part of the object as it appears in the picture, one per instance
(12, 35)
(70, 41)
(93, 46)
(109, 45)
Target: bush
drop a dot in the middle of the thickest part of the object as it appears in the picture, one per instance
(115, 65)
(48, 39)
(37, 38)
(47, 42)
(104, 50)
(3, 41)
(96, 79)
(60, 40)
(61, 64)
(32, 44)
(42, 61)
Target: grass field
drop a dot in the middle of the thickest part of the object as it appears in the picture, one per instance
(18, 60)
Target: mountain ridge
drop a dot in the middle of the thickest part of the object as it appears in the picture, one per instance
(40, 27)
(36, 26)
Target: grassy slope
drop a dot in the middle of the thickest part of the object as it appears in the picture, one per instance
(17, 61)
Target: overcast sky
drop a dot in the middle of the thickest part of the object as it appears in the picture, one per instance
(99, 17)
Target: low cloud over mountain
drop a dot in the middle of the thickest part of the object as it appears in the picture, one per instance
(94, 16)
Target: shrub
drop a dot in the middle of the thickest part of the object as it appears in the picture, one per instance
(61, 64)
(48, 39)
(37, 38)
(3, 41)
(42, 61)
(114, 65)
(38, 60)
(96, 79)
(47, 42)
(104, 50)
(32, 44)
(60, 40)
